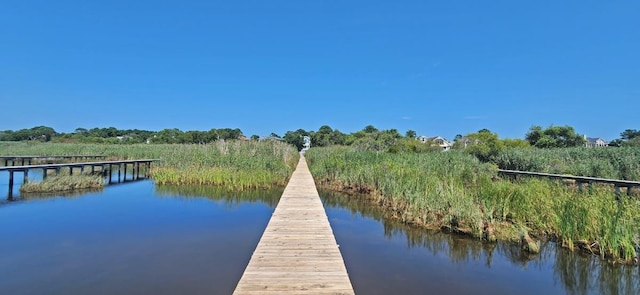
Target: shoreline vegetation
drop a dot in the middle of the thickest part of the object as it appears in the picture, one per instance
(455, 192)
(64, 183)
(451, 191)
(237, 165)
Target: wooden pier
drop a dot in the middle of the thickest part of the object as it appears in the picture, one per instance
(13, 160)
(579, 180)
(297, 253)
(105, 166)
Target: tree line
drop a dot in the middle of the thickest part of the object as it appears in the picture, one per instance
(115, 136)
(483, 143)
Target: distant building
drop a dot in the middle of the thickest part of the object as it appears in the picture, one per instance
(307, 143)
(595, 142)
(439, 140)
(270, 138)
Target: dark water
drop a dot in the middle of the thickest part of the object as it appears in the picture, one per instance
(384, 257)
(136, 238)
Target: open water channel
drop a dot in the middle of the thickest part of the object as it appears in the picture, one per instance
(138, 238)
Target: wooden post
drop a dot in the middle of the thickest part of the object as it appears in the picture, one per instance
(124, 179)
(10, 183)
(26, 176)
(617, 189)
(119, 171)
(110, 173)
(629, 190)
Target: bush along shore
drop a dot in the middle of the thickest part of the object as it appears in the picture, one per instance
(456, 192)
(64, 183)
(236, 164)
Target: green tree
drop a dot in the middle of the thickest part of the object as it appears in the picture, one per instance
(515, 143)
(40, 133)
(484, 144)
(410, 134)
(326, 136)
(229, 134)
(554, 137)
(370, 129)
(168, 136)
(296, 138)
(630, 134)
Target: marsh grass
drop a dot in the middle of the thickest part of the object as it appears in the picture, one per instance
(237, 165)
(64, 183)
(454, 191)
(610, 162)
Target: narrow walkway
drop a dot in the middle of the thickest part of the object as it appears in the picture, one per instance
(297, 253)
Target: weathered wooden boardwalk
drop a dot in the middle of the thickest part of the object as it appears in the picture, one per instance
(297, 253)
(103, 167)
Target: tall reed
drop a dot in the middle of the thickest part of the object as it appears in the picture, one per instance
(63, 183)
(609, 162)
(455, 191)
(237, 165)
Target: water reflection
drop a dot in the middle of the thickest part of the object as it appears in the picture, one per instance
(484, 267)
(132, 238)
(582, 275)
(266, 196)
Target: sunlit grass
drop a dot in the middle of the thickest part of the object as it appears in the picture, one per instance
(237, 165)
(607, 162)
(455, 191)
(63, 183)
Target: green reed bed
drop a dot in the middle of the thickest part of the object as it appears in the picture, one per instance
(235, 164)
(607, 162)
(63, 183)
(455, 191)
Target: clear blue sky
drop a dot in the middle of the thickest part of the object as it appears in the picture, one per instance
(436, 67)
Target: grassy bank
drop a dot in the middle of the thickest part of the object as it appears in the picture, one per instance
(237, 165)
(610, 162)
(63, 184)
(454, 191)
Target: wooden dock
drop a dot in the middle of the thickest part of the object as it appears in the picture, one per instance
(297, 253)
(105, 167)
(14, 160)
(580, 180)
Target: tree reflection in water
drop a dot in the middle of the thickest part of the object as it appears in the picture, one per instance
(216, 193)
(578, 273)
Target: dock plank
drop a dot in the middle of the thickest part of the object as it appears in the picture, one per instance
(297, 253)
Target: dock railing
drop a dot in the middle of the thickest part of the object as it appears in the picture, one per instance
(580, 180)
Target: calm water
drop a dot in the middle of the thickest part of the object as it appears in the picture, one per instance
(136, 238)
(131, 238)
(384, 257)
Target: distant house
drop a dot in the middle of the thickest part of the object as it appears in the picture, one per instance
(439, 140)
(269, 138)
(595, 142)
